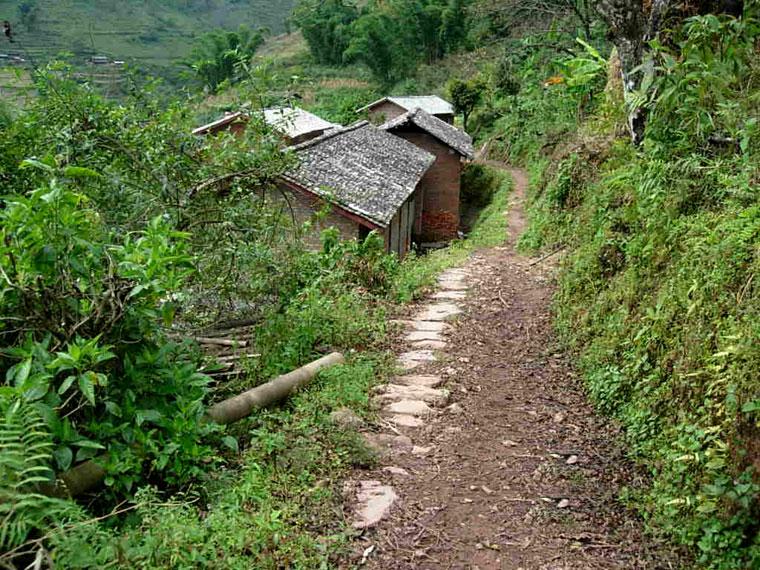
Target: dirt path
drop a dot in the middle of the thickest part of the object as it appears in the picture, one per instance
(514, 470)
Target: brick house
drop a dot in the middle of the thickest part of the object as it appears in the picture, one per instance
(437, 215)
(389, 108)
(369, 177)
(296, 125)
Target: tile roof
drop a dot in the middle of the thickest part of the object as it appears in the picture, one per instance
(444, 132)
(294, 121)
(429, 103)
(227, 119)
(361, 168)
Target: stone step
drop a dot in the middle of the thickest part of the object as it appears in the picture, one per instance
(405, 421)
(450, 295)
(431, 344)
(373, 503)
(409, 408)
(421, 325)
(440, 312)
(398, 392)
(419, 380)
(416, 336)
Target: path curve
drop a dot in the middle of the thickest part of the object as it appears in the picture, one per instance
(506, 466)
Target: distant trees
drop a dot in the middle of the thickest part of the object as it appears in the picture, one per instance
(218, 55)
(390, 36)
(326, 27)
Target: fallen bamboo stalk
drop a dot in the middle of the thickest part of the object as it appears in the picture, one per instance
(80, 479)
(239, 406)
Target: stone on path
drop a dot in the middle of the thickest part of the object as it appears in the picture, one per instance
(409, 408)
(396, 392)
(415, 357)
(418, 380)
(373, 503)
(440, 312)
(450, 295)
(422, 325)
(424, 335)
(432, 344)
(393, 470)
(406, 421)
(385, 444)
(346, 418)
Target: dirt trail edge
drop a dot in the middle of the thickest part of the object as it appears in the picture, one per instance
(492, 457)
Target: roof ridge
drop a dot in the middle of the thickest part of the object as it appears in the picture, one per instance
(339, 130)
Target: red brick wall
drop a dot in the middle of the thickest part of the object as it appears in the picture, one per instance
(305, 207)
(439, 188)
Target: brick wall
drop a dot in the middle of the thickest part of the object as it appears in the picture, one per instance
(439, 188)
(385, 112)
(304, 209)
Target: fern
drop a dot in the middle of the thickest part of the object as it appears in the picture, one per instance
(25, 454)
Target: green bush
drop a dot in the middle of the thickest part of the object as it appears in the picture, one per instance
(479, 185)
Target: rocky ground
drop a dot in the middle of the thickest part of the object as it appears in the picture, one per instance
(491, 456)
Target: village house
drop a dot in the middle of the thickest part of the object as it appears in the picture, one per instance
(295, 124)
(368, 176)
(437, 215)
(292, 123)
(233, 122)
(389, 108)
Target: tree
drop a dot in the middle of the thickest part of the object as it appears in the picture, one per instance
(465, 95)
(218, 55)
(325, 27)
(632, 25)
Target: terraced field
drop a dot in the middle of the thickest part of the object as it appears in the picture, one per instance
(149, 33)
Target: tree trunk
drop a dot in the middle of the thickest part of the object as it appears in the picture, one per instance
(626, 22)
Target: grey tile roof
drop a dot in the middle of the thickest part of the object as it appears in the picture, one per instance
(361, 168)
(429, 103)
(294, 121)
(444, 132)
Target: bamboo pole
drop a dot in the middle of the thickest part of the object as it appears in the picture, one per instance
(83, 477)
(237, 407)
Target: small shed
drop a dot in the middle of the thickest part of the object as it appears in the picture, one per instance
(389, 108)
(295, 124)
(438, 203)
(369, 177)
(234, 122)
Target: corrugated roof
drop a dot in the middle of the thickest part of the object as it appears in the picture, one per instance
(294, 121)
(444, 132)
(361, 168)
(228, 119)
(430, 103)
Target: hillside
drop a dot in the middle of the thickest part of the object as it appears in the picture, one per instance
(154, 33)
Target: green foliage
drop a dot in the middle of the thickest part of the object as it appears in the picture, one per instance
(658, 292)
(326, 26)
(219, 56)
(25, 456)
(479, 184)
(391, 38)
(465, 96)
(80, 336)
